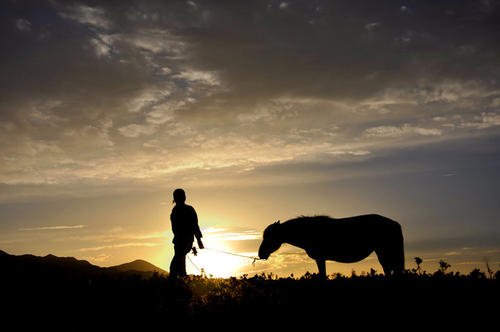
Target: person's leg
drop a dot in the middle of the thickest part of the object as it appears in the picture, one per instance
(182, 259)
(174, 265)
(178, 264)
(182, 266)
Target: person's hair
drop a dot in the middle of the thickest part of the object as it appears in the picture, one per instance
(179, 196)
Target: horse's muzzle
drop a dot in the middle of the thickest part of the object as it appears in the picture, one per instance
(263, 255)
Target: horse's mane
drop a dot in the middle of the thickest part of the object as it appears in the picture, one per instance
(300, 220)
(310, 218)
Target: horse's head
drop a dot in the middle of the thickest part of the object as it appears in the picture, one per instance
(271, 241)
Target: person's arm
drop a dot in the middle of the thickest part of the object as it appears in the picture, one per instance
(173, 222)
(197, 231)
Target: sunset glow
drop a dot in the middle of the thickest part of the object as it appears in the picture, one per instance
(216, 264)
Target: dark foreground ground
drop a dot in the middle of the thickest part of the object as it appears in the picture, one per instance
(65, 294)
(61, 301)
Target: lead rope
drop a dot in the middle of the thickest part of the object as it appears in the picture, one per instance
(253, 258)
(195, 253)
(192, 263)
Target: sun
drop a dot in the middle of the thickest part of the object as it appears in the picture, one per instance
(215, 263)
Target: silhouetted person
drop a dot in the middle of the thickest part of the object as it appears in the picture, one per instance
(185, 228)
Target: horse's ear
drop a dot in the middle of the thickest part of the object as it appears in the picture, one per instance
(277, 222)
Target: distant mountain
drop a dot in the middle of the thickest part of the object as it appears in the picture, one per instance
(53, 267)
(138, 265)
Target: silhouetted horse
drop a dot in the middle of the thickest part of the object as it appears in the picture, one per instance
(345, 240)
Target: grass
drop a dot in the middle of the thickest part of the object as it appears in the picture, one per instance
(117, 302)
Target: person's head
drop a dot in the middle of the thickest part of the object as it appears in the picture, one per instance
(179, 196)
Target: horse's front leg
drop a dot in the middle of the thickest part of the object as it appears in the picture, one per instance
(321, 267)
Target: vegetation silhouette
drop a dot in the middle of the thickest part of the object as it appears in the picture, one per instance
(345, 240)
(67, 294)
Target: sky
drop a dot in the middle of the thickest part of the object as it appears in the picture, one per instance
(261, 111)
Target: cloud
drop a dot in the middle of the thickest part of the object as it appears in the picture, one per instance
(249, 139)
(483, 121)
(227, 234)
(120, 245)
(164, 112)
(283, 5)
(116, 235)
(372, 26)
(102, 45)
(136, 130)
(51, 228)
(400, 131)
(149, 97)
(350, 152)
(101, 258)
(158, 41)
(404, 9)
(88, 137)
(209, 78)
(163, 90)
(117, 239)
(192, 4)
(91, 16)
(23, 25)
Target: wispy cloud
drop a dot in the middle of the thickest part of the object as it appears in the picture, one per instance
(136, 130)
(372, 26)
(400, 131)
(90, 16)
(158, 42)
(102, 45)
(100, 258)
(205, 77)
(227, 234)
(117, 235)
(121, 245)
(283, 5)
(483, 121)
(149, 97)
(23, 25)
(48, 228)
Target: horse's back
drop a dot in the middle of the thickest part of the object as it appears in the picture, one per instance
(370, 224)
(345, 239)
(369, 219)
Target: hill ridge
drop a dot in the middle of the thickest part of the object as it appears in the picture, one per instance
(29, 262)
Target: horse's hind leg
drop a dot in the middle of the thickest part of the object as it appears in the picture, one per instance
(321, 267)
(385, 261)
(390, 261)
(391, 254)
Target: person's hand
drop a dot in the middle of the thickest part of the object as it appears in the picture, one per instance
(200, 244)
